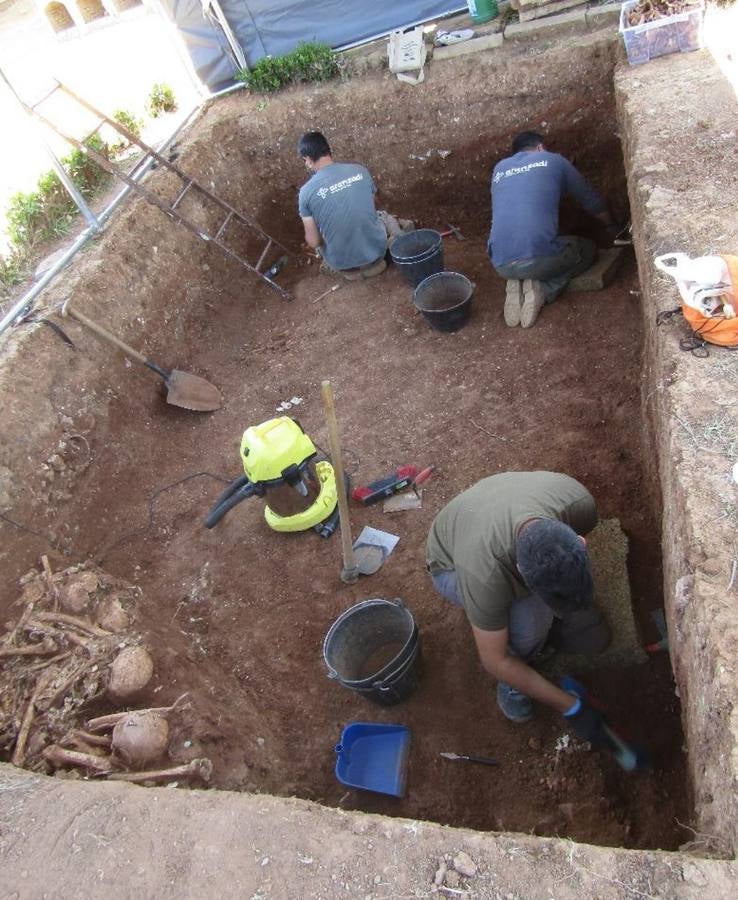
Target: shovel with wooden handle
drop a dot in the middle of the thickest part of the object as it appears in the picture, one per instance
(183, 389)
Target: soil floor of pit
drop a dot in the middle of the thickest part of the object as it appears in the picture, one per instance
(237, 616)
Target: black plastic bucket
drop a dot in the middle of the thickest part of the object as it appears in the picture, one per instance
(374, 649)
(445, 300)
(418, 254)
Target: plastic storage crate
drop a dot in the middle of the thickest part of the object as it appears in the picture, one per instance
(671, 34)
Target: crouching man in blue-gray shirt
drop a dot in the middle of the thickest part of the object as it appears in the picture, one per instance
(524, 243)
(337, 210)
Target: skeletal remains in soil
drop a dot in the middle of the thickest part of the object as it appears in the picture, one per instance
(53, 663)
(138, 737)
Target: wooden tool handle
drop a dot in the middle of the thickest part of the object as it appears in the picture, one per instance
(350, 572)
(103, 333)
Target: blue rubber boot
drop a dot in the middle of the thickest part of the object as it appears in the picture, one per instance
(515, 706)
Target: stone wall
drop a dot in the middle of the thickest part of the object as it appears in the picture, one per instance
(677, 120)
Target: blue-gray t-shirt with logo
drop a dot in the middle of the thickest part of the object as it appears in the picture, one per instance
(340, 197)
(526, 192)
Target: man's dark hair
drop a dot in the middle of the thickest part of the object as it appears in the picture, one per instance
(313, 145)
(554, 564)
(526, 140)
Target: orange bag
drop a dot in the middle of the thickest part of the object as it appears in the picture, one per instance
(718, 329)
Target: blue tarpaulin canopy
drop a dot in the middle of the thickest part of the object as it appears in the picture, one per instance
(275, 27)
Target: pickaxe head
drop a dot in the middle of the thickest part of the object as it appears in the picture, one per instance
(452, 229)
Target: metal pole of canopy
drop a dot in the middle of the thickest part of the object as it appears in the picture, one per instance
(219, 15)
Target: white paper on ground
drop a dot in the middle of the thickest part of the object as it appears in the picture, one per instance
(379, 538)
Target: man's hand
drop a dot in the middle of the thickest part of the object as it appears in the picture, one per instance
(494, 656)
(312, 235)
(586, 723)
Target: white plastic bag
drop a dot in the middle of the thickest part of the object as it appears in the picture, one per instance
(703, 282)
(407, 52)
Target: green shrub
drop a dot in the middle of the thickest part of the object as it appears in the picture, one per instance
(161, 100)
(22, 215)
(48, 211)
(86, 173)
(129, 120)
(307, 62)
(269, 74)
(314, 62)
(132, 123)
(11, 270)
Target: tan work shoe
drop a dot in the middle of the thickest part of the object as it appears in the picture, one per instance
(513, 301)
(367, 271)
(375, 268)
(533, 300)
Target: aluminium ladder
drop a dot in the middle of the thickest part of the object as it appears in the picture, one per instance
(266, 247)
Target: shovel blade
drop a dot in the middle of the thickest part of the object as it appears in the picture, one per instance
(192, 392)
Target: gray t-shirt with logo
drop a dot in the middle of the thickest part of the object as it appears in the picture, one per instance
(340, 197)
(475, 535)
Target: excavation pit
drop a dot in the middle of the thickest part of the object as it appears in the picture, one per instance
(236, 616)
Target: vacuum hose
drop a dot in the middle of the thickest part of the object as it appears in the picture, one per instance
(236, 491)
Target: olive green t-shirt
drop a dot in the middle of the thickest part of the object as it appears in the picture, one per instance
(475, 535)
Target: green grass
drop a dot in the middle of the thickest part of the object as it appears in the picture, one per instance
(308, 62)
(12, 270)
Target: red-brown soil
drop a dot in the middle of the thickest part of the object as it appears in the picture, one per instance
(237, 615)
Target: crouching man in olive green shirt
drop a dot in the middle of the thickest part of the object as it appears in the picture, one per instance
(510, 550)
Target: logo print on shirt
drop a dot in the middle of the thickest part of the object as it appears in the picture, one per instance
(338, 186)
(519, 170)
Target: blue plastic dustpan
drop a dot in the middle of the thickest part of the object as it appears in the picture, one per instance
(373, 757)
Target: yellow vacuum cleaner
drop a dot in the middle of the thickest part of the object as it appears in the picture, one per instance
(280, 462)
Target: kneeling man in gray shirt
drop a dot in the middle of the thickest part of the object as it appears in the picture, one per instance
(337, 210)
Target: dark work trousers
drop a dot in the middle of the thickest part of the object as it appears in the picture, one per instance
(554, 272)
(531, 622)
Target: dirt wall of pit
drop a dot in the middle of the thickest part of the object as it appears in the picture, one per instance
(679, 143)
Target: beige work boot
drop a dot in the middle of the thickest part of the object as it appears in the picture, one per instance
(513, 301)
(376, 268)
(367, 271)
(533, 300)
